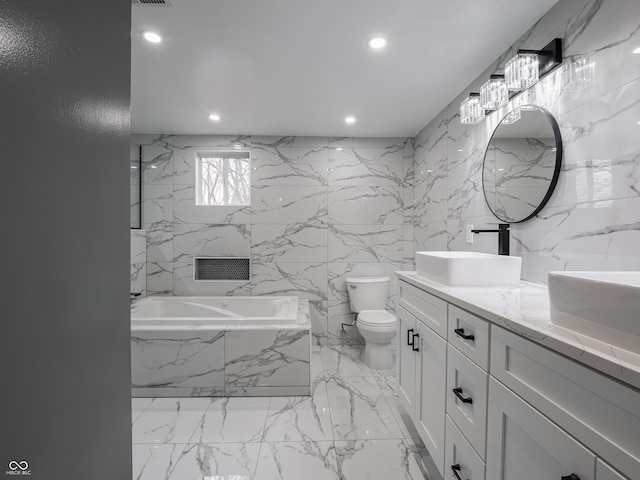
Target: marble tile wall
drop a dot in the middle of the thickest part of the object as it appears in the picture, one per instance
(592, 221)
(138, 272)
(321, 209)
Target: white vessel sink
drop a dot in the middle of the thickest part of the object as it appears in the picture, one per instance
(469, 268)
(603, 305)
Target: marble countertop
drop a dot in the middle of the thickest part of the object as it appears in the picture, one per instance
(525, 310)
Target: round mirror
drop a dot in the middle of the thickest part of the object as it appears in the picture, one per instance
(522, 164)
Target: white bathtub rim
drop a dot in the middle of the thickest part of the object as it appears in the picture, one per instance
(303, 323)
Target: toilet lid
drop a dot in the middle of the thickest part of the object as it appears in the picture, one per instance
(376, 317)
(368, 279)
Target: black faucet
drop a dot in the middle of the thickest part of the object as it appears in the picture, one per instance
(503, 237)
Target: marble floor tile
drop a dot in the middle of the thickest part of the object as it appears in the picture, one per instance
(233, 419)
(221, 461)
(345, 361)
(386, 382)
(376, 460)
(139, 405)
(169, 420)
(359, 410)
(297, 460)
(300, 418)
(402, 418)
(155, 462)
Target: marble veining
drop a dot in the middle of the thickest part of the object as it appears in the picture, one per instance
(286, 438)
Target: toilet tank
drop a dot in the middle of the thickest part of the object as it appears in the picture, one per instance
(368, 293)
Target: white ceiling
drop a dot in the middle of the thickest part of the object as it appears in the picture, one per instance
(298, 67)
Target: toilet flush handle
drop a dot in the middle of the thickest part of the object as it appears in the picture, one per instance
(353, 286)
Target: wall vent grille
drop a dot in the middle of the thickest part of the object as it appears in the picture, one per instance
(152, 3)
(221, 269)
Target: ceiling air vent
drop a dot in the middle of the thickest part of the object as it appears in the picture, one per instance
(151, 3)
(221, 269)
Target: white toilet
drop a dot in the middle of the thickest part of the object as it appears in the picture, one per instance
(368, 297)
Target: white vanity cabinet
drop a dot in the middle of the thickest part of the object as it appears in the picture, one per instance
(421, 366)
(523, 444)
(520, 411)
(605, 472)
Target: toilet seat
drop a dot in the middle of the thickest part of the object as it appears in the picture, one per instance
(378, 318)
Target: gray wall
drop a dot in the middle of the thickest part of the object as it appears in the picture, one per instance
(65, 358)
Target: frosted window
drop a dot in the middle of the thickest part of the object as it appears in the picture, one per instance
(223, 178)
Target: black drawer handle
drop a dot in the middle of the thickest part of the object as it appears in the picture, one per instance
(456, 468)
(460, 333)
(573, 476)
(409, 340)
(414, 345)
(458, 393)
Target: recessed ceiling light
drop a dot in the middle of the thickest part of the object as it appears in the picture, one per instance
(637, 50)
(150, 36)
(339, 149)
(377, 42)
(214, 117)
(350, 119)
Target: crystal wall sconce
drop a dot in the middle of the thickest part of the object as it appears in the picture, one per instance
(471, 112)
(494, 93)
(520, 73)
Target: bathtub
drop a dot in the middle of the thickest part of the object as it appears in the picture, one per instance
(220, 346)
(211, 312)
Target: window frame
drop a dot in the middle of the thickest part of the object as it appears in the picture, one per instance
(243, 153)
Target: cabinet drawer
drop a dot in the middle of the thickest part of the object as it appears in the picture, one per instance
(429, 309)
(476, 330)
(458, 453)
(522, 444)
(465, 380)
(605, 472)
(603, 413)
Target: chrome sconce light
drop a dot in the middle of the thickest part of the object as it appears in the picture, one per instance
(520, 73)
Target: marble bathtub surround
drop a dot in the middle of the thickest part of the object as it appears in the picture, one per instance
(230, 361)
(319, 437)
(315, 211)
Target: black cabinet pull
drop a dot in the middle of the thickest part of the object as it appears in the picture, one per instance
(409, 341)
(414, 346)
(458, 393)
(573, 476)
(456, 468)
(460, 333)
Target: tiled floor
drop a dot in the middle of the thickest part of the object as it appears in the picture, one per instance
(349, 429)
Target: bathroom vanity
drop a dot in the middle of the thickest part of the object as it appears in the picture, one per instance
(497, 392)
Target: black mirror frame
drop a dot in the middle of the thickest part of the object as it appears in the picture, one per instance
(556, 172)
